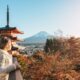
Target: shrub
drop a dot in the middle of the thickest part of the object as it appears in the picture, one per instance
(59, 64)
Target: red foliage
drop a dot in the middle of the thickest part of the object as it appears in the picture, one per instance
(56, 66)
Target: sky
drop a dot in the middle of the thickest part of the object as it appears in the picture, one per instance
(33, 16)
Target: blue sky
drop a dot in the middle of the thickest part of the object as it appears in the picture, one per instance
(33, 16)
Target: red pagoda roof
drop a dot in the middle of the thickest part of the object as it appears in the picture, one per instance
(10, 29)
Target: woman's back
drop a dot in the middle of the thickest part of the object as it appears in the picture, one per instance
(5, 61)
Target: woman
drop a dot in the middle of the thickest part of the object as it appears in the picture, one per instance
(6, 64)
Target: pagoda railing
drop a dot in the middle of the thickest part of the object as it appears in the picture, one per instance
(15, 75)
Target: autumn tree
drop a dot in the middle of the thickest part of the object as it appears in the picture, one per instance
(55, 44)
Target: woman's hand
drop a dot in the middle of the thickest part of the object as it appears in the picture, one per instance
(18, 66)
(15, 53)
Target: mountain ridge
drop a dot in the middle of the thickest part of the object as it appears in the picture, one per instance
(40, 37)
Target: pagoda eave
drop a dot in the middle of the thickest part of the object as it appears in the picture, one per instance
(10, 30)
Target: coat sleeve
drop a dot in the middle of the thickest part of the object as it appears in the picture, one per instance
(7, 69)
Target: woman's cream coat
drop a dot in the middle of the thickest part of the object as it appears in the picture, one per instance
(6, 64)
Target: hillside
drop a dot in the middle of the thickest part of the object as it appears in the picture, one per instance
(38, 38)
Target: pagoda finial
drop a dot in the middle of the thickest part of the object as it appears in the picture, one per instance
(7, 16)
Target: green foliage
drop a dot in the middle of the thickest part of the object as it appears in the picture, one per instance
(49, 45)
(53, 45)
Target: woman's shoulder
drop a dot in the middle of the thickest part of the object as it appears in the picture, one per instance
(1, 56)
(5, 54)
(2, 51)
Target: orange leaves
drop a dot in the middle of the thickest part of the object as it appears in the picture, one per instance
(58, 65)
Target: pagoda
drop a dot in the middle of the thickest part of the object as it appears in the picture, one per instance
(7, 30)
